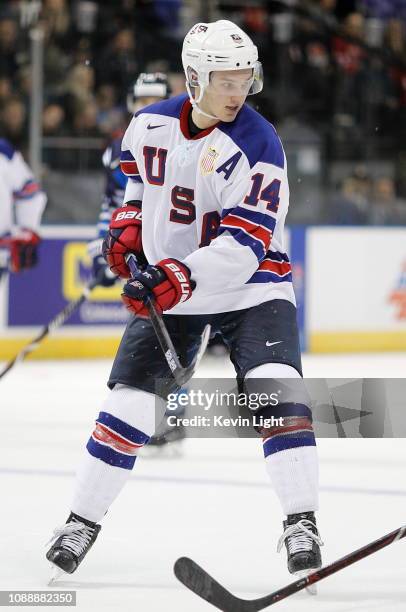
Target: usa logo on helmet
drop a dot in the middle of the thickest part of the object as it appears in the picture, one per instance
(198, 28)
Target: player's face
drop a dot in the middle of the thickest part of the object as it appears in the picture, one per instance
(226, 93)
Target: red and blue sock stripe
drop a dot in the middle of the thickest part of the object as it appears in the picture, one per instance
(115, 442)
(296, 430)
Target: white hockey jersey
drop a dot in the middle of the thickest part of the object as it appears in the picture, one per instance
(216, 201)
(21, 200)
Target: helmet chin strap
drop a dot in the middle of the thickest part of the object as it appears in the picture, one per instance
(201, 112)
(195, 103)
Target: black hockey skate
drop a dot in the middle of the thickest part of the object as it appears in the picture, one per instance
(302, 542)
(72, 542)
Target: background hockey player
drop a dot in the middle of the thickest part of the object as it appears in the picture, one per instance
(147, 89)
(22, 203)
(211, 175)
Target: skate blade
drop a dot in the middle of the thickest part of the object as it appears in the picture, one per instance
(56, 573)
(312, 588)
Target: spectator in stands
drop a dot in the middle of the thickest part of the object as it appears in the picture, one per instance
(56, 59)
(395, 47)
(78, 91)
(53, 124)
(23, 84)
(348, 54)
(387, 208)
(349, 99)
(311, 55)
(111, 116)
(13, 122)
(6, 90)
(117, 65)
(56, 18)
(53, 118)
(8, 47)
(351, 205)
(395, 39)
(80, 82)
(85, 121)
(83, 52)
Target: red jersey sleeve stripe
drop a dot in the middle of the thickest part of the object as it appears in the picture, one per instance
(129, 168)
(280, 268)
(258, 232)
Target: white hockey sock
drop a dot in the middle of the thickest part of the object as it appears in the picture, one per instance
(294, 476)
(290, 450)
(128, 419)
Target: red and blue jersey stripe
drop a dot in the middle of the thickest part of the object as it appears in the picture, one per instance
(129, 166)
(274, 268)
(28, 190)
(249, 228)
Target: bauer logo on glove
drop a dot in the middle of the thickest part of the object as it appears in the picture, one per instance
(124, 237)
(168, 282)
(130, 214)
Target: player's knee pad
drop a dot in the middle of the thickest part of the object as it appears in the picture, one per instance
(127, 421)
(141, 409)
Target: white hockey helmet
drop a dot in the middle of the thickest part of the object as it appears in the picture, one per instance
(147, 85)
(216, 46)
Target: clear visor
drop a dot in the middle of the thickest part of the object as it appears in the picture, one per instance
(236, 83)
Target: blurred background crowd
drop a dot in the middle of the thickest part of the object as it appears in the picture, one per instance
(335, 88)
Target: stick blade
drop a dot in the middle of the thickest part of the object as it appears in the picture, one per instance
(205, 337)
(195, 578)
(183, 375)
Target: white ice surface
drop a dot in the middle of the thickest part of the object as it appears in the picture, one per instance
(213, 503)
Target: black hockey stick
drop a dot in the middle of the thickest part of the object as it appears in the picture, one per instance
(200, 582)
(56, 322)
(180, 374)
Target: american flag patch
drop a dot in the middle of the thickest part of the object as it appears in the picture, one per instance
(208, 160)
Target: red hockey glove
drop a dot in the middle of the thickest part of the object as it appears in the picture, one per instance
(24, 250)
(168, 282)
(124, 237)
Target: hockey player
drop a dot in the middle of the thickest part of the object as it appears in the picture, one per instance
(22, 203)
(211, 176)
(147, 89)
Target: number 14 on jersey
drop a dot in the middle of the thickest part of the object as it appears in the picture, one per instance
(269, 194)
